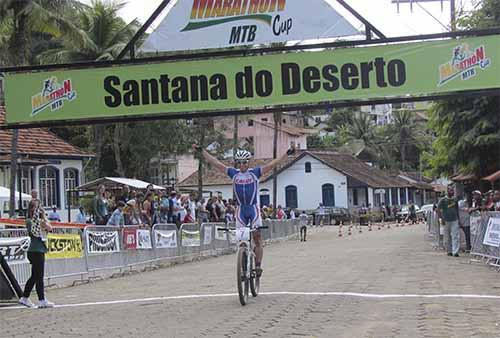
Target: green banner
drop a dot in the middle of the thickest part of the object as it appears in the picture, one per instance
(222, 84)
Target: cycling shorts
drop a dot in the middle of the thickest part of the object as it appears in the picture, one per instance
(248, 215)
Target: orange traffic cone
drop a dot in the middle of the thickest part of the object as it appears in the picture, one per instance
(349, 231)
(340, 230)
(369, 227)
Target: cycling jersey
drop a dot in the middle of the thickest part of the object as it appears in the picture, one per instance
(246, 191)
(246, 185)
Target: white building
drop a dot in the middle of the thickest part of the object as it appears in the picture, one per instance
(47, 163)
(309, 177)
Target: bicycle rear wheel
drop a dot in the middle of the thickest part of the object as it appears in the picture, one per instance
(254, 280)
(241, 275)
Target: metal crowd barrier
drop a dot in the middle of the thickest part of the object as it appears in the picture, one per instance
(121, 249)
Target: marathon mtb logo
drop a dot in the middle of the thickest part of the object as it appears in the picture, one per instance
(464, 63)
(53, 95)
(207, 13)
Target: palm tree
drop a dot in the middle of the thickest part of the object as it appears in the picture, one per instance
(106, 34)
(406, 134)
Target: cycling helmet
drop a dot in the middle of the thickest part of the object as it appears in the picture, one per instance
(242, 155)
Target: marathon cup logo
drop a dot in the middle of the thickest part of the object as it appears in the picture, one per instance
(207, 13)
(464, 63)
(53, 95)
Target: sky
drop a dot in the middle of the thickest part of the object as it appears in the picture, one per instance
(383, 14)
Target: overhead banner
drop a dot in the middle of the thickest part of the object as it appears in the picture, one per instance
(64, 246)
(14, 249)
(206, 24)
(228, 84)
(102, 241)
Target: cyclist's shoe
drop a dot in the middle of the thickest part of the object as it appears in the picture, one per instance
(26, 302)
(258, 271)
(45, 304)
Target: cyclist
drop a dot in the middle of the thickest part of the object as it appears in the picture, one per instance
(246, 191)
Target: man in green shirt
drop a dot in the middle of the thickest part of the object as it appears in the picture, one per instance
(447, 209)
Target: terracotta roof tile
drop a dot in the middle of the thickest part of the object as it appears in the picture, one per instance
(38, 142)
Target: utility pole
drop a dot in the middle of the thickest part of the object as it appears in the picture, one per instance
(453, 15)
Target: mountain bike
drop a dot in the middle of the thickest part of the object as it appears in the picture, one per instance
(246, 278)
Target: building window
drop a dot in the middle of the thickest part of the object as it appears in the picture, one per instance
(26, 180)
(284, 121)
(70, 183)
(49, 187)
(328, 191)
(308, 167)
(355, 196)
(291, 196)
(264, 119)
(265, 199)
(250, 123)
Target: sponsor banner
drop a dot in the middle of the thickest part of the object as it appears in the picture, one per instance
(201, 24)
(165, 239)
(102, 241)
(15, 249)
(207, 234)
(190, 238)
(144, 239)
(492, 235)
(226, 84)
(130, 238)
(64, 246)
(220, 235)
(475, 225)
(232, 236)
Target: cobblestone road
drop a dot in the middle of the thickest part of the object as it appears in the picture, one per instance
(396, 261)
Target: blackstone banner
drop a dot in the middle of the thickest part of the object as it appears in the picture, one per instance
(202, 24)
(15, 249)
(226, 84)
(64, 246)
(102, 241)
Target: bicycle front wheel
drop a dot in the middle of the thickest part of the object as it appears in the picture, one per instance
(241, 275)
(254, 280)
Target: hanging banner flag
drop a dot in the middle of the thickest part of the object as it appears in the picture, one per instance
(492, 235)
(229, 84)
(165, 239)
(102, 241)
(130, 238)
(207, 24)
(207, 234)
(144, 239)
(14, 249)
(64, 246)
(190, 238)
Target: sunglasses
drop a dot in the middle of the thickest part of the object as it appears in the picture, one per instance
(242, 162)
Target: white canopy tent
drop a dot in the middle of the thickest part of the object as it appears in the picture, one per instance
(117, 182)
(5, 195)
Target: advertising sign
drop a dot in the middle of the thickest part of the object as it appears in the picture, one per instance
(130, 238)
(15, 249)
(254, 82)
(190, 238)
(102, 241)
(165, 239)
(144, 239)
(202, 24)
(492, 235)
(207, 234)
(64, 246)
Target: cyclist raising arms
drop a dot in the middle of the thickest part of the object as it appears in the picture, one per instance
(246, 191)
